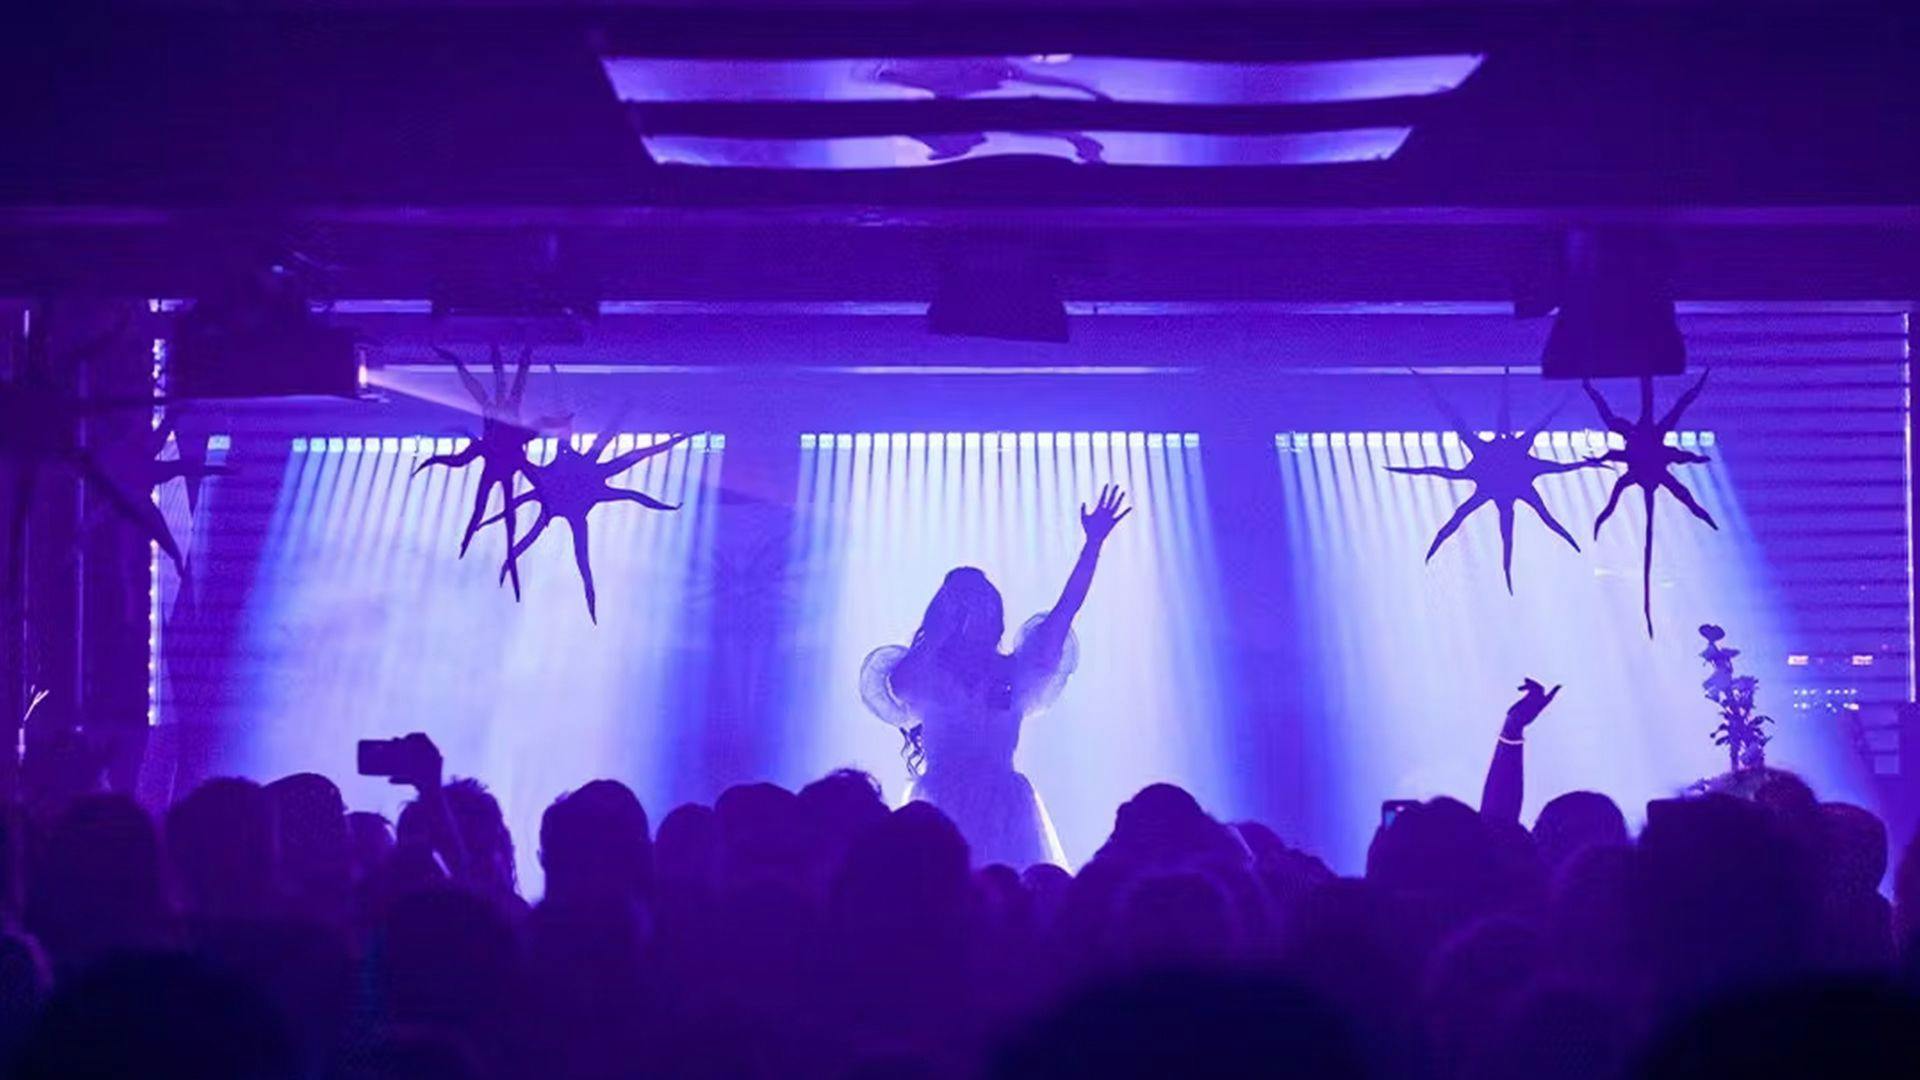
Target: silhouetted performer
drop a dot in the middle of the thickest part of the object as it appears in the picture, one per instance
(959, 701)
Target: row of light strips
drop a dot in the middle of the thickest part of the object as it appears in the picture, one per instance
(1558, 440)
(986, 440)
(443, 444)
(999, 441)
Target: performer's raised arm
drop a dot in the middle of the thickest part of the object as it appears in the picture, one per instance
(1051, 635)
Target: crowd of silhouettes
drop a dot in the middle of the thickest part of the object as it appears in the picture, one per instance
(266, 931)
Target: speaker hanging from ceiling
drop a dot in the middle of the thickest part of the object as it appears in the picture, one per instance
(1615, 316)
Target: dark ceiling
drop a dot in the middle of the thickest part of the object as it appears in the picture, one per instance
(414, 141)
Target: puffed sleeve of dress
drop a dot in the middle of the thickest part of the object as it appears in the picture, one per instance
(1039, 678)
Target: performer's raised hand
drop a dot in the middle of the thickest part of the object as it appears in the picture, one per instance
(1106, 513)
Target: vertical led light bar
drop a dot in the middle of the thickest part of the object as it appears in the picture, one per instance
(158, 380)
(1906, 420)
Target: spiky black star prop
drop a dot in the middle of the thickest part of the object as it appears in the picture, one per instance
(1503, 472)
(500, 448)
(570, 486)
(189, 463)
(137, 464)
(1649, 461)
(39, 426)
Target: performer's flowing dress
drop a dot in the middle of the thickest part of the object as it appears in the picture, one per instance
(969, 738)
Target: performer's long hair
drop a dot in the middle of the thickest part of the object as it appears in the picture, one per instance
(960, 634)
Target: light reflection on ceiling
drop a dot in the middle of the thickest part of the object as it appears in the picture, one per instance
(713, 113)
(1081, 147)
(1088, 78)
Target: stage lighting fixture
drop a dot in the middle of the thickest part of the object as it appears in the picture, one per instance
(260, 339)
(573, 307)
(527, 287)
(544, 314)
(1615, 317)
(997, 294)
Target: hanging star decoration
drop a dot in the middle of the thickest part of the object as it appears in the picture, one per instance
(1503, 472)
(500, 448)
(189, 463)
(139, 464)
(570, 486)
(1649, 461)
(39, 431)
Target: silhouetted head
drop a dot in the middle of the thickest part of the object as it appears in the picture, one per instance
(761, 836)
(1722, 894)
(99, 886)
(1003, 896)
(1906, 897)
(907, 872)
(483, 830)
(1046, 886)
(594, 843)
(1441, 844)
(308, 804)
(1287, 874)
(902, 922)
(686, 851)
(220, 840)
(966, 615)
(1855, 845)
(1785, 793)
(844, 800)
(371, 837)
(1575, 821)
(310, 820)
(1444, 865)
(413, 826)
(1164, 825)
(837, 808)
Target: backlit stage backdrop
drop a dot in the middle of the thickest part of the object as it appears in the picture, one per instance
(355, 621)
(1420, 661)
(886, 515)
(1263, 630)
